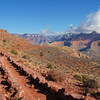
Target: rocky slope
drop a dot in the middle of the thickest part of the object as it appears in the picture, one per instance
(21, 60)
(86, 43)
(39, 39)
(35, 38)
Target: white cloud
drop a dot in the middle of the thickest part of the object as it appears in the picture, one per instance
(45, 31)
(92, 24)
(49, 32)
(71, 29)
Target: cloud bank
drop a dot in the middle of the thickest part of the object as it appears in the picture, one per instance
(49, 32)
(92, 24)
(45, 31)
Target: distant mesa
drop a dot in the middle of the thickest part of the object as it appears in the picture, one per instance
(83, 42)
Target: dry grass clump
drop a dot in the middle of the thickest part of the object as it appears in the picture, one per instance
(56, 75)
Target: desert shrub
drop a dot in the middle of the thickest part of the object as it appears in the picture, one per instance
(41, 54)
(88, 91)
(77, 77)
(90, 83)
(90, 86)
(56, 75)
(4, 41)
(14, 52)
(48, 51)
(50, 66)
(25, 57)
(81, 78)
(84, 78)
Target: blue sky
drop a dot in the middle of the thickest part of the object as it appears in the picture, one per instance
(28, 16)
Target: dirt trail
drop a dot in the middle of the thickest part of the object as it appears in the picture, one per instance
(27, 92)
(28, 85)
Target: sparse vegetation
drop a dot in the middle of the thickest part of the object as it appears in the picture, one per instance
(14, 52)
(81, 78)
(90, 86)
(25, 57)
(56, 75)
(91, 83)
(41, 54)
(48, 51)
(50, 65)
(18, 98)
(77, 77)
(57, 60)
(4, 41)
(84, 78)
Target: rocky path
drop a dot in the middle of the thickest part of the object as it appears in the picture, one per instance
(26, 91)
(23, 83)
(20, 82)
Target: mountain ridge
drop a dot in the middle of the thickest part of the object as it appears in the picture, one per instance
(82, 42)
(21, 60)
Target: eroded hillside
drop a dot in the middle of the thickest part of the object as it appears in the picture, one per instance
(48, 72)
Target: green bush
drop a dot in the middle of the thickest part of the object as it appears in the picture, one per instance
(14, 52)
